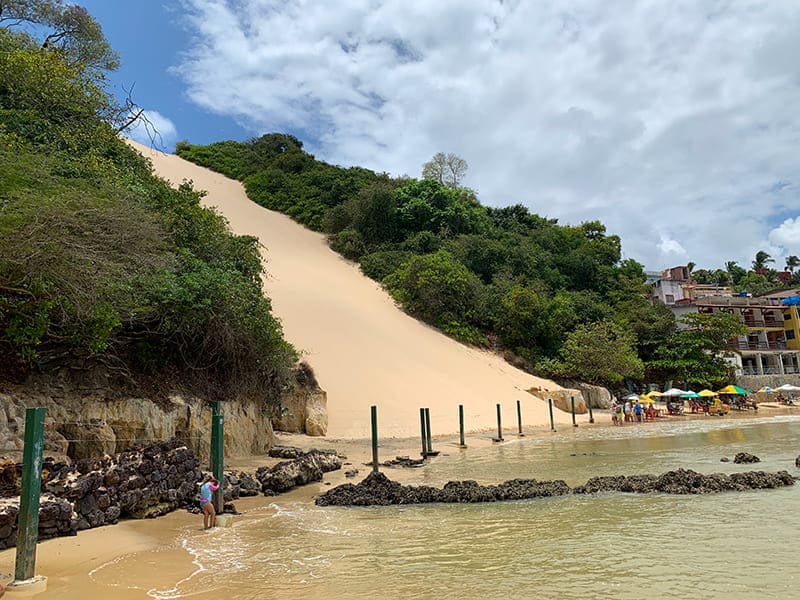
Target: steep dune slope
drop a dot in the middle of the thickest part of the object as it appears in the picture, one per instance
(363, 349)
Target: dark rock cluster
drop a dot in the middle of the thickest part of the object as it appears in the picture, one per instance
(378, 490)
(239, 484)
(403, 461)
(141, 483)
(307, 467)
(686, 481)
(745, 458)
(55, 519)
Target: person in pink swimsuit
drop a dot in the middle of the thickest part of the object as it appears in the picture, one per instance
(206, 505)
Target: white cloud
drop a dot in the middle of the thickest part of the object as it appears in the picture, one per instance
(787, 237)
(155, 129)
(670, 246)
(650, 116)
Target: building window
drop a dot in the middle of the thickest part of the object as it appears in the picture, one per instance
(789, 334)
(670, 299)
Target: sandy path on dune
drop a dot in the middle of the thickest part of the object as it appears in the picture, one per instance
(363, 349)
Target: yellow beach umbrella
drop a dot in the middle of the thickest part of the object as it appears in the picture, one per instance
(765, 390)
(646, 400)
(707, 393)
(654, 394)
(733, 389)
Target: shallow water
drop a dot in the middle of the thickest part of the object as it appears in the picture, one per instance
(733, 545)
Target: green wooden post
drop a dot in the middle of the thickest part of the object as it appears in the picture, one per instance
(499, 437)
(428, 430)
(589, 404)
(422, 432)
(552, 423)
(374, 419)
(28, 531)
(519, 419)
(216, 410)
(572, 401)
(217, 455)
(461, 425)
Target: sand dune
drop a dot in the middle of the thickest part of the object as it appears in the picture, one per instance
(364, 350)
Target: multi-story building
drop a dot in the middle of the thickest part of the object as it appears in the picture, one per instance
(676, 287)
(772, 343)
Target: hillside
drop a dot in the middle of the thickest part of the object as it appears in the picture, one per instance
(364, 350)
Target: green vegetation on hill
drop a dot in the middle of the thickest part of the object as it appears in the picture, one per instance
(101, 261)
(497, 277)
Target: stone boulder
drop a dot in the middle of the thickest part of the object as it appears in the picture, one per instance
(598, 396)
(562, 400)
(300, 471)
(745, 458)
(239, 484)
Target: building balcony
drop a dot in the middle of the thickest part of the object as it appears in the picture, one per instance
(787, 370)
(776, 345)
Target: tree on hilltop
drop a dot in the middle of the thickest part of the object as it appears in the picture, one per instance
(792, 262)
(448, 169)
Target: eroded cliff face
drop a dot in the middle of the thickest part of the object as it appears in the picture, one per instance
(84, 426)
(89, 421)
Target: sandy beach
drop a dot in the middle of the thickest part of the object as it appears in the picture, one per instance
(363, 348)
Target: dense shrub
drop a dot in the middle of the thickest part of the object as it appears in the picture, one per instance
(101, 262)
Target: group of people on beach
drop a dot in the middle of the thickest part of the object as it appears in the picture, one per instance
(631, 412)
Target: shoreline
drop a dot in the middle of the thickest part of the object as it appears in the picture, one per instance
(87, 565)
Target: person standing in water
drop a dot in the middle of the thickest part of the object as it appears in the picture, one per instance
(206, 505)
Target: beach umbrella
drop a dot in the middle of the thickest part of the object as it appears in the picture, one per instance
(706, 394)
(632, 397)
(691, 395)
(787, 387)
(765, 390)
(674, 392)
(733, 389)
(654, 394)
(646, 400)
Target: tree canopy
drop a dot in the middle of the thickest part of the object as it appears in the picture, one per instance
(100, 261)
(448, 169)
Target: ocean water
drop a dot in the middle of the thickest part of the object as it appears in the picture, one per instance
(732, 545)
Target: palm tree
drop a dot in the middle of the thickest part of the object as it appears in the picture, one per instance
(762, 258)
(792, 262)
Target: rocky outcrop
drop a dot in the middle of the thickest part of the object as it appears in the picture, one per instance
(598, 396)
(303, 412)
(300, 471)
(562, 400)
(56, 518)
(377, 489)
(142, 483)
(239, 484)
(686, 481)
(82, 427)
(745, 458)
(87, 416)
(303, 408)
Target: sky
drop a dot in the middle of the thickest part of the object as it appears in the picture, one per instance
(674, 122)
